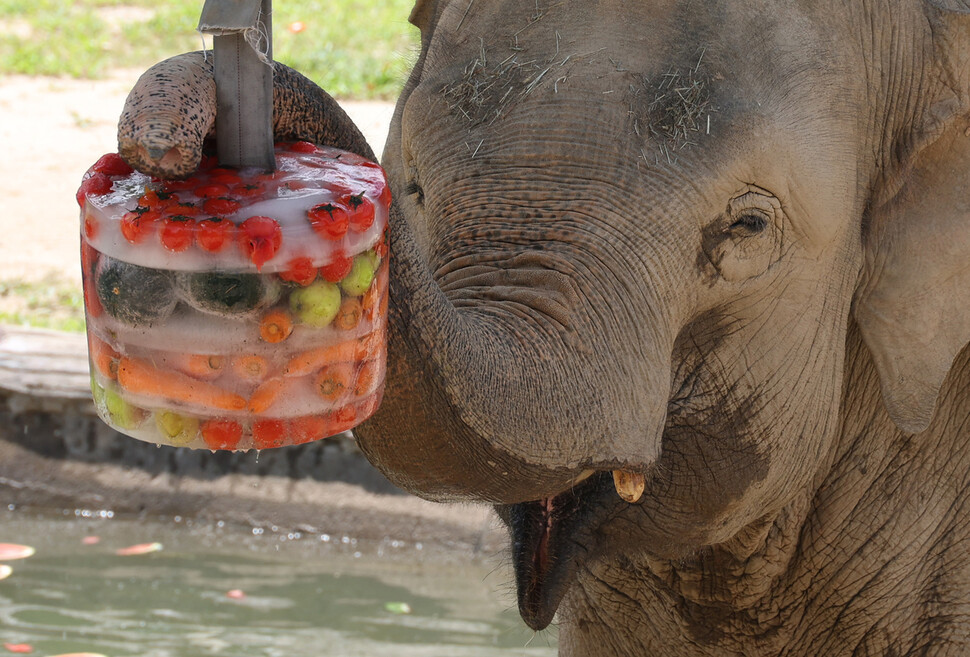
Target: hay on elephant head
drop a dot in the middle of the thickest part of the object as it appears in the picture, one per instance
(679, 106)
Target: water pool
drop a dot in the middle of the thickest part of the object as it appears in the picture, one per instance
(216, 589)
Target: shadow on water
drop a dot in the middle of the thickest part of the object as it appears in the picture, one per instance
(301, 596)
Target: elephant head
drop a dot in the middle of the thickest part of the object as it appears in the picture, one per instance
(633, 237)
(639, 238)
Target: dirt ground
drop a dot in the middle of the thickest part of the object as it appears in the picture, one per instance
(51, 131)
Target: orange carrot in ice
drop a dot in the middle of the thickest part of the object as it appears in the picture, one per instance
(275, 326)
(105, 358)
(203, 366)
(366, 346)
(372, 298)
(143, 378)
(367, 406)
(308, 361)
(348, 315)
(333, 380)
(265, 395)
(367, 378)
(251, 368)
(374, 343)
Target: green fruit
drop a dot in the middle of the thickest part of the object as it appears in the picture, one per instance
(178, 429)
(122, 414)
(317, 304)
(97, 392)
(361, 274)
(132, 294)
(228, 294)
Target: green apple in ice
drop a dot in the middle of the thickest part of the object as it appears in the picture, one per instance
(122, 413)
(97, 392)
(317, 304)
(178, 429)
(361, 274)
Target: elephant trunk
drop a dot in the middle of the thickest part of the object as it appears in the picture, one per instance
(501, 394)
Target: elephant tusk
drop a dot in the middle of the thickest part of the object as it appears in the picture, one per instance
(583, 476)
(629, 485)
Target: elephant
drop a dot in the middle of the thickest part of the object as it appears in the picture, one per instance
(681, 289)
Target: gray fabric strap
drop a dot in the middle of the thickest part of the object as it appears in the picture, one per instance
(243, 51)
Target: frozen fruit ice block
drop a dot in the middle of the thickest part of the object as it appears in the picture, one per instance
(237, 309)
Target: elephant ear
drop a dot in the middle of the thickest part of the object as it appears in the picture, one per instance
(914, 304)
(421, 13)
(424, 16)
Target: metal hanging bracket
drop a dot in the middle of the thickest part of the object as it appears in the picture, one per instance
(242, 46)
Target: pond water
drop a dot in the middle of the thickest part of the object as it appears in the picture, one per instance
(292, 595)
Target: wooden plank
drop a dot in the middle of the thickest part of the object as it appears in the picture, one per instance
(47, 364)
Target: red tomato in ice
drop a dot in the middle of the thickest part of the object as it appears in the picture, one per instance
(300, 271)
(177, 233)
(260, 238)
(212, 190)
(221, 206)
(269, 433)
(94, 185)
(138, 224)
(111, 164)
(221, 434)
(339, 267)
(361, 212)
(329, 220)
(214, 233)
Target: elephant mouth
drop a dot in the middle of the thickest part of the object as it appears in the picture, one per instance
(548, 546)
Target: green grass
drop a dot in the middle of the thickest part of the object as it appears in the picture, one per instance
(53, 303)
(353, 48)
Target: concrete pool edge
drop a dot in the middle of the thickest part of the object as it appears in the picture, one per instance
(31, 480)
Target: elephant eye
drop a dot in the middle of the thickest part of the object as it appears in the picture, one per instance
(748, 224)
(414, 189)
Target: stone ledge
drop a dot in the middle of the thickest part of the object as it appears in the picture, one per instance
(46, 368)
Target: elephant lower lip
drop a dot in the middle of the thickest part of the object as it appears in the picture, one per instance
(545, 552)
(535, 605)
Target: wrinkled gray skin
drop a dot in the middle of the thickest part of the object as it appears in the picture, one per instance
(721, 244)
